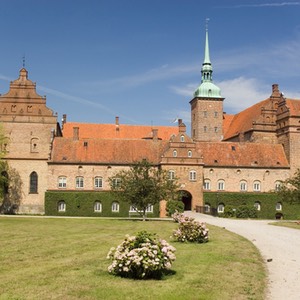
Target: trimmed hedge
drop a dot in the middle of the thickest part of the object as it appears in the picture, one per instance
(82, 204)
(267, 203)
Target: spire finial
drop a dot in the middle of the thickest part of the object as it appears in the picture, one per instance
(206, 24)
(23, 61)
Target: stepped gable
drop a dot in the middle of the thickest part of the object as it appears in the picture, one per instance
(106, 151)
(119, 131)
(254, 155)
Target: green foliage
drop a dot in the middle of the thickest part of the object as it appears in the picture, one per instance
(173, 206)
(141, 257)
(189, 230)
(290, 190)
(246, 211)
(290, 211)
(82, 204)
(143, 185)
(229, 211)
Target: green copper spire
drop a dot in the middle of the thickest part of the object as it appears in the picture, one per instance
(207, 89)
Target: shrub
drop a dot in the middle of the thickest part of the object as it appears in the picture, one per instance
(229, 212)
(245, 211)
(174, 206)
(177, 216)
(190, 230)
(141, 257)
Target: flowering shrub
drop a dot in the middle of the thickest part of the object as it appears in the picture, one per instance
(190, 230)
(177, 216)
(141, 257)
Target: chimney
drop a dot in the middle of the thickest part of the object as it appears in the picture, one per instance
(75, 133)
(275, 91)
(117, 123)
(154, 134)
(64, 120)
(179, 122)
(181, 125)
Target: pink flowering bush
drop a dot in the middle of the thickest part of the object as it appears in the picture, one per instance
(190, 230)
(141, 257)
(177, 216)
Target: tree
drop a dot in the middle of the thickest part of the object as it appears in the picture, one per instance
(143, 185)
(290, 189)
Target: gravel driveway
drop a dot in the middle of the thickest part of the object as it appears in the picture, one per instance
(281, 245)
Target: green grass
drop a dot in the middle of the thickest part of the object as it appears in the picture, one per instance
(45, 258)
(290, 224)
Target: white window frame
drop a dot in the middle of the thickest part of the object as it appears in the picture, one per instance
(98, 182)
(207, 208)
(256, 186)
(278, 185)
(62, 182)
(115, 207)
(182, 138)
(221, 185)
(171, 174)
(206, 184)
(97, 206)
(221, 208)
(278, 206)
(190, 153)
(192, 175)
(116, 182)
(174, 153)
(257, 205)
(243, 186)
(61, 206)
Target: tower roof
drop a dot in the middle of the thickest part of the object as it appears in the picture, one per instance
(207, 89)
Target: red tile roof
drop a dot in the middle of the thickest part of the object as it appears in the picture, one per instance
(242, 154)
(107, 151)
(294, 106)
(111, 131)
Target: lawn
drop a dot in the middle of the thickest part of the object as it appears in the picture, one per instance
(290, 224)
(65, 258)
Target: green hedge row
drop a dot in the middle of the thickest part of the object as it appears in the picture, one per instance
(267, 203)
(82, 204)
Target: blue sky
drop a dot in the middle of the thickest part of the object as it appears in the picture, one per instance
(141, 59)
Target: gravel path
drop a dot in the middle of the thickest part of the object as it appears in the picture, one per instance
(281, 245)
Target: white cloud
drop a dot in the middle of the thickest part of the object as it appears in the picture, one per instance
(272, 4)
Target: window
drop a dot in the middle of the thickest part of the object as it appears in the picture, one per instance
(189, 153)
(192, 176)
(98, 183)
(149, 209)
(205, 114)
(116, 182)
(216, 129)
(257, 205)
(79, 182)
(171, 175)
(182, 138)
(243, 186)
(221, 185)
(256, 186)
(61, 207)
(34, 145)
(221, 208)
(115, 207)
(174, 153)
(33, 186)
(206, 184)
(62, 182)
(278, 185)
(97, 206)
(278, 206)
(216, 114)
(207, 208)
(205, 128)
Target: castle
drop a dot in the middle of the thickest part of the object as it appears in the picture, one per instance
(250, 152)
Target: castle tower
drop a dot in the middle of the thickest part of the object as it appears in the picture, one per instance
(207, 105)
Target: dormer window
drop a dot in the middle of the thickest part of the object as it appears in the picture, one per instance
(174, 153)
(182, 138)
(189, 153)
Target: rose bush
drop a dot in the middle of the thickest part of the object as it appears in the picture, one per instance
(189, 230)
(141, 257)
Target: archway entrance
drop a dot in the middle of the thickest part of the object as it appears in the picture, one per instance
(186, 198)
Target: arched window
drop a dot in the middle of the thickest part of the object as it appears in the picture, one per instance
(278, 185)
(192, 175)
(278, 206)
(171, 175)
(207, 208)
(98, 182)
(256, 186)
(115, 207)
(33, 184)
(62, 182)
(257, 205)
(61, 206)
(174, 153)
(221, 208)
(182, 138)
(206, 184)
(34, 145)
(243, 185)
(97, 206)
(79, 182)
(221, 185)
(190, 153)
